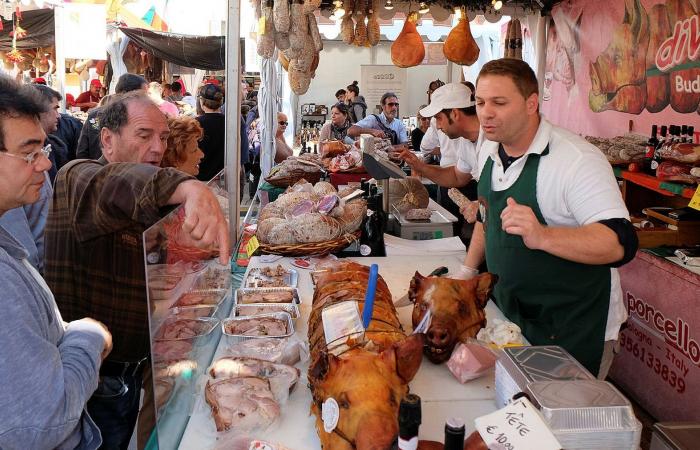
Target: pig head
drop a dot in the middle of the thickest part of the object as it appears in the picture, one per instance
(456, 307)
(618, 78)
(368, 388)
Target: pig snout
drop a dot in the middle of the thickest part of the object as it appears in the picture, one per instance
(439, 336)
(377, 432)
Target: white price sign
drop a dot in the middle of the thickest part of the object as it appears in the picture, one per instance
(518, 426)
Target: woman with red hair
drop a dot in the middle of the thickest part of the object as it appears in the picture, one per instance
(182, 151)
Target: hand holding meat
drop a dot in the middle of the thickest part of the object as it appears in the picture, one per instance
(204, 221)
(411, 159)
(469, 211)
(521, 220)
(378, 134)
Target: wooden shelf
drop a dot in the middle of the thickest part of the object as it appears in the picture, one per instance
(666, 188)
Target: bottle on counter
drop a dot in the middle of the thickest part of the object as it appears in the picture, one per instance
(372, 231)
(454, 434)
(364, 186)
(684, 133)
(651, 148)
(409, 422)
(656, 159)
(691, 134)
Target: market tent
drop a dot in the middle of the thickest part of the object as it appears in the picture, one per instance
(200, 52)
(39, 24)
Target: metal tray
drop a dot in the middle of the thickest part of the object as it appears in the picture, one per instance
(214, 276)
(194, 312)
(207, 324)
(243, 310)
(237, 338)
(215, 294)
(290, 279)
(239, 292)
(436, 217)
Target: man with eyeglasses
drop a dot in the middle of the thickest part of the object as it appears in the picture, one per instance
(94, 247)
(385, 125)
(49, 367)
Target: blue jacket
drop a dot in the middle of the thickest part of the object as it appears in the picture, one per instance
(47, 373)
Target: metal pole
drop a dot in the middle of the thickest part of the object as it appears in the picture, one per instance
(58, 13)
(233, 113)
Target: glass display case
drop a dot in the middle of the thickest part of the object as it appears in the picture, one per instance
(189, 293)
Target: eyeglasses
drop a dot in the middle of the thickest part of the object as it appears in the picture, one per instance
(31, 158)
(393, 104)
(283, 123)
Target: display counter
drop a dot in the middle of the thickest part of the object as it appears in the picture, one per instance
(442, 395)
(659, 360)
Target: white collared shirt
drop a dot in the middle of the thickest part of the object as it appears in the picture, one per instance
(575, 187)
(450, 149)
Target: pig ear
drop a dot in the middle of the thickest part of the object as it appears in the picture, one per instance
(322, 365)
(405, 356)
(415, 285)
(484, 287)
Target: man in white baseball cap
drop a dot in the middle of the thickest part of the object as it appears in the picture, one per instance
(454, 109)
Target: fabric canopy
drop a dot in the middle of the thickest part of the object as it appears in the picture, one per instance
(40, 31)
(200, 52)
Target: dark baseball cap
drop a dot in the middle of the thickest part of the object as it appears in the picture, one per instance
(211, 92)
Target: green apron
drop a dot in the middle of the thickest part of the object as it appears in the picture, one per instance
(554, 301)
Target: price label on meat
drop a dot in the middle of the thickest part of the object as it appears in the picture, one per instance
(695, 201)
(518, 426)
(340, 322)
(252, 245)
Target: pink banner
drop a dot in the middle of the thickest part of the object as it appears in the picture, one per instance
(612, 62)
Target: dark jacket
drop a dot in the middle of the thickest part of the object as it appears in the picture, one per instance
(89, 146)
(69, 132)
(358, 109)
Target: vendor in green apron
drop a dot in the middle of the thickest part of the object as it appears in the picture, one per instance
(553, 223)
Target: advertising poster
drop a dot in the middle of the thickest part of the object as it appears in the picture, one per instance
(377, 79)
(609, 63)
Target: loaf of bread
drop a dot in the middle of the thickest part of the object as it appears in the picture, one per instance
(315, 227)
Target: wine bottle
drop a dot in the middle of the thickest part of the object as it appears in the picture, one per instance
(409, 422)
(372, 233)
(657, 158)
(691, 134)
(454, 434)
(651, 148)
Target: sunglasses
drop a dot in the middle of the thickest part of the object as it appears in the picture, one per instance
(283, 123)
(393, 104)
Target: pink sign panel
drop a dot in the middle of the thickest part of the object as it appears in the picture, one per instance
(659, 359)
(609, 63)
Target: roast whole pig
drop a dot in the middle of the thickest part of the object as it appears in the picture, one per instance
(368, 379)
(456, 307)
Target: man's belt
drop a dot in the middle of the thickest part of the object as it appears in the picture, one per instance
(111, 368)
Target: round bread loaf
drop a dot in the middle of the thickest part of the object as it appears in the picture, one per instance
(282, 234)
(323, 188)
(315, 227)
(353, 213)
(288, 201)
(269, 211)
(266, 226)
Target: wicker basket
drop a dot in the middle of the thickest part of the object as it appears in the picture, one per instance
(296, 175)
(313, 248)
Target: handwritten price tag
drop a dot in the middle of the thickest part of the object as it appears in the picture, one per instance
(252, 245)
(518, 426)
(695, 201)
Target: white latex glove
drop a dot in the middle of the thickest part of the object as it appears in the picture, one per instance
(464, 273)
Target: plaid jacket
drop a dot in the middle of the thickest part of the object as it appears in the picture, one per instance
(94, 259)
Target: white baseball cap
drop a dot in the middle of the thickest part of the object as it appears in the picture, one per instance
(451, 95)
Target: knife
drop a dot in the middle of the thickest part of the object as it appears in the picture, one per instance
(405, 301)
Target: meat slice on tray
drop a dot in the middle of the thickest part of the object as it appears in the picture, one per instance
(258, 326)
(282, 378)
(241, 404)
(168, 350)
(182, 329)
(285, 296)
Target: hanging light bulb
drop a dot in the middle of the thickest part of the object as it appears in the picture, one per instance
(423, 8)
(497, 5)
(388, 5)
(337, 3)
(458, 13)
(339, 12)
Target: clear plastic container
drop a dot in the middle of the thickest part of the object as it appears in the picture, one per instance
(168, 331)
